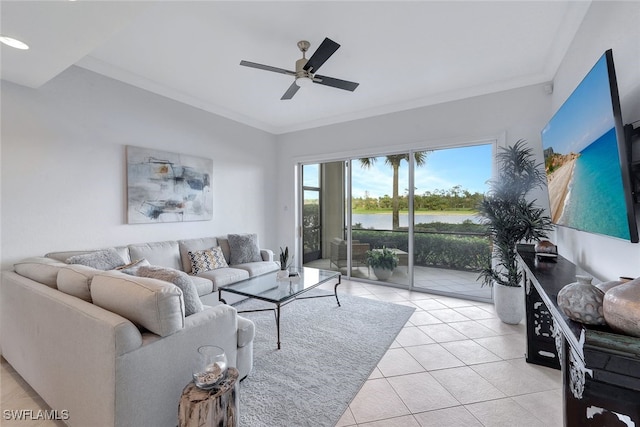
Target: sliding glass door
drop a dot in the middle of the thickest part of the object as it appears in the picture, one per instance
(311, 218)
(418, 207)
(323, 216)
(379, 218)
(450, 245)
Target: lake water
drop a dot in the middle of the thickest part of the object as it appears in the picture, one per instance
(384, 221)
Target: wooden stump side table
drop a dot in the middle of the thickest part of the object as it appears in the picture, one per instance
(210, 408)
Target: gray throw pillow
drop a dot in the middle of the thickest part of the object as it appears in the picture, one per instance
(107, 259)
(243, 248)
(192, 303)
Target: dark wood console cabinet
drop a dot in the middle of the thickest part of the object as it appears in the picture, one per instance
(600, 369)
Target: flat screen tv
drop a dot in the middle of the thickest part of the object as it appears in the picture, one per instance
(587, 158)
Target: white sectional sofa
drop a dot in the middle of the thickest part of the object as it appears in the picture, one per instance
(114, 349)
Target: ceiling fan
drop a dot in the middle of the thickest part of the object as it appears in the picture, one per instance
(306, 69)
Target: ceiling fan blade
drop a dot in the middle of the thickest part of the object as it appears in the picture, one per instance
(267, 68)
(337, 83)
(291, 91)
(327, 48)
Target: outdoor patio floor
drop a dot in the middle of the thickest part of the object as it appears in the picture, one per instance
(439, 281)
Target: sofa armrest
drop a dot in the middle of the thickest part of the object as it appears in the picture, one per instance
(267, 254)
(165, 366)
(246, 331)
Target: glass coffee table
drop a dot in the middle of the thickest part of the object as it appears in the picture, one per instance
(268, 287)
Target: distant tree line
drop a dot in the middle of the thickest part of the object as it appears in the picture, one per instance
(455, 198)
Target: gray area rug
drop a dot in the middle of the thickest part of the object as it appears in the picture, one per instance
(327, 354)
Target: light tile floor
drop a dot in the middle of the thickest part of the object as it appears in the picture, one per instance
(453, 364)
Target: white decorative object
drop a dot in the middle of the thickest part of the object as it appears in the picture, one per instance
(509, 303)
(282, 274)
(556, 332)
(577, 373)
(211, 367)
(582, 302)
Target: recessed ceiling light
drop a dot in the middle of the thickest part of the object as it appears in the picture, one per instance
(9, 41)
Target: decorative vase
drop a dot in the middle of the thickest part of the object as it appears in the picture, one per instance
(382, 273)
(211, 367)
(509, 303)
(605, 286)
(545, 247)
(282, 274)
(622, 308)
(581, 301)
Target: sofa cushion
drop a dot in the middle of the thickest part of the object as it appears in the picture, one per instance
(244, 248)
(165, 254)
(207, 259)
(224, 276)
(132, 267)
(203, 285)
(152, 304)
(258, 268)
(190, 245)
(106, 259)
(41, 269)
(192, 303)
(76, 280)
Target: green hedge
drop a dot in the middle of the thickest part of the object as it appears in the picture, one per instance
(471, 253)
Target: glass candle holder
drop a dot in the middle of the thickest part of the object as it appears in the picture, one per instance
(211, 367)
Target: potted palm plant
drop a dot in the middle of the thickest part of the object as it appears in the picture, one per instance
(510, 219)
(383, 261)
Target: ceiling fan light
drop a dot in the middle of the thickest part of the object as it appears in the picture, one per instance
(303, 81)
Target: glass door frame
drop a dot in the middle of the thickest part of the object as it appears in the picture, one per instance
(318, 190)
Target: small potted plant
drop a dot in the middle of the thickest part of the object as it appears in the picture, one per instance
(285, 263)
(383, 261)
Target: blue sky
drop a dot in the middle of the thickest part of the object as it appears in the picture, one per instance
(585, 116)
(469, 167)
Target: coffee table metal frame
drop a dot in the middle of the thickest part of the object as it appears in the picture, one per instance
(296, 287)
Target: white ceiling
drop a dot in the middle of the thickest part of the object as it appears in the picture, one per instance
(403, 54)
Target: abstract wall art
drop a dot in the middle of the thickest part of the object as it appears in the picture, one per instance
(167, 187)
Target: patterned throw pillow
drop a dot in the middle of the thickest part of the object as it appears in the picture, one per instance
(208, 259)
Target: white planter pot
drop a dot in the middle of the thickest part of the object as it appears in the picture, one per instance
(509, 303)
(382, 273)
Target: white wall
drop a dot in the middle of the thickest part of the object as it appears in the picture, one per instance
(506, 116)
(64, 171)
(607, 25)
(63, 161)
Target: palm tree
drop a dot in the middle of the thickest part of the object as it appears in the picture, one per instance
(394, 161)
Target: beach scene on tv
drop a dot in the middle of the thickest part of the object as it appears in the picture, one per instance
(582, 160)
